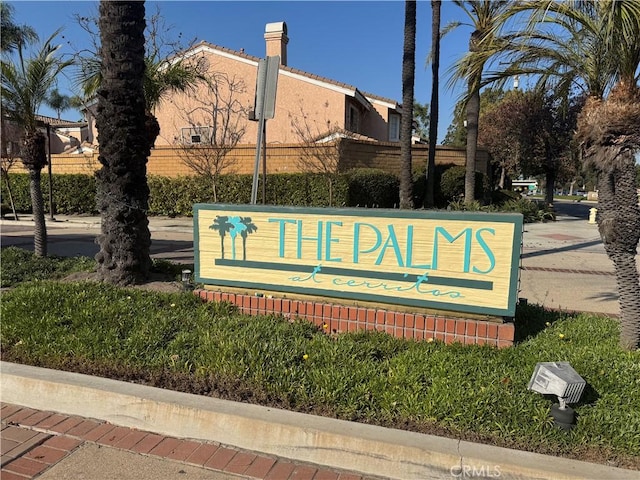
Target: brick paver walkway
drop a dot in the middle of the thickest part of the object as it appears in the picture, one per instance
(33, 441)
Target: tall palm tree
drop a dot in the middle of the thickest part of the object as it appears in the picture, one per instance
(58, 102)
(222, 225)
(25, 86)
(406, 123)
(486, 20)
(14, 37)
(162, 76)
(593, 47)
(435, 95)
(122, 190)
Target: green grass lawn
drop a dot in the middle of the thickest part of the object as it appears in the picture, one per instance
(477, 393)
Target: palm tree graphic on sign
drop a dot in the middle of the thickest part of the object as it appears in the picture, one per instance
(234, 226)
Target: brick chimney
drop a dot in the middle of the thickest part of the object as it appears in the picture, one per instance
(275, 36)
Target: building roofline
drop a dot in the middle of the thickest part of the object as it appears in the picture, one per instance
(294, 72)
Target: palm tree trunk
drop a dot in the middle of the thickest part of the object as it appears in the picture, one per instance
(619, 225)
(37, 204)
(122, 189)
(434, 107)
(406, 124)
(473, 113)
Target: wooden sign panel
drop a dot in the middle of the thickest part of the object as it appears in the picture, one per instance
(459, 261)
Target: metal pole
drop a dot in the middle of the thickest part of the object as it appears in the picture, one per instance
(256, 167)
(50, 173)
(264, 164)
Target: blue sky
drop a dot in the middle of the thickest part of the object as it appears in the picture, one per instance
(355, 42)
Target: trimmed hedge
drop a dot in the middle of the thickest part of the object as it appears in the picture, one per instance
(175, 196)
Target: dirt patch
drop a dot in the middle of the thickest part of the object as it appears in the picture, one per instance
(158, 282)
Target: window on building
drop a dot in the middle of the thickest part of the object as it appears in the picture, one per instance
(195, 135)
(394, 128)
(354, 119)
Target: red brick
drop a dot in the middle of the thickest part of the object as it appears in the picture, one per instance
(450, 325)
(352, 327)
(481, 341)
(34, 419)
(371, 316)
(492, 330)
(259, 467)
(20, 415)
(254, 304)
(98, 432)
(389, 318)
(439, 325)
(7, 475)
(409, 320)
(430, 326)
(114, 436)
(352, 313)
(184, 449)
(469, 340)
(66, 425)
(344, 313)
(449, 338)
(343, 325)
(240, 462)
(317, 310)
(262, 304)
(277, 305)
(350, 476)
(286, 306)
(471, 328)
(506, 331)
(303, 472)
(380, 317)
(165, 447)
(271, 305)
(202, 454)
(25, 466)
(439, 336)
(17, 434)
(461, 326)
(51, 421)
(148, 443)
(326, 310)
(62, 442)
(399, 319)
(421, 322)
(326, 475)
(82, 428)
(504, 343)
(47, 454)
(280, 470)
(482, 330)
(361, 315)
(131, 439)
(220, 458)
(8, 410)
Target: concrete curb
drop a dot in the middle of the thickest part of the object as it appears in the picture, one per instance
(368, 449)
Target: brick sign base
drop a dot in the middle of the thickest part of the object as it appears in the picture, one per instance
(341, 318)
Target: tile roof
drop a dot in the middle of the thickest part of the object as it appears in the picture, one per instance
(293, 70)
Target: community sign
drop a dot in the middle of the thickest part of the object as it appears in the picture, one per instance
(459, 261)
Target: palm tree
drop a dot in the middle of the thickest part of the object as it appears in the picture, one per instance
(433, 114)
(248, 230)
(593, 47)
(406, 124)
(485, 41)
(58, 101)
(122, 190)
(25, 85)
(14, 37)
(222, 225)
(162, 76)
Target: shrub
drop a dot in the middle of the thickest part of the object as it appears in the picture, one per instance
(373, 188)
(452, 183)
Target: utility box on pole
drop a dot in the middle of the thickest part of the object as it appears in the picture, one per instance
(265, 107)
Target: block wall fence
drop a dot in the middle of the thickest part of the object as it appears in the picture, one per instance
(336, 318)
(281, 158)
